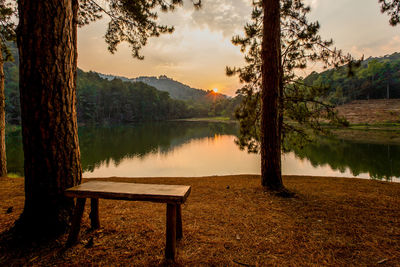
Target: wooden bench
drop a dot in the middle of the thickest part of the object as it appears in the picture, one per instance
(172, 195)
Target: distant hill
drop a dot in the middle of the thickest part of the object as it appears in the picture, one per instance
(176, 90)
(376, 78)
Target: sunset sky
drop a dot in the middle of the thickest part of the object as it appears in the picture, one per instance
(198, 51)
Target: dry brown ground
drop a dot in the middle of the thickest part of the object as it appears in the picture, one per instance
(231, 221)
(371, 111)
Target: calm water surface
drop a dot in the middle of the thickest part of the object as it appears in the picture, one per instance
(203, 149)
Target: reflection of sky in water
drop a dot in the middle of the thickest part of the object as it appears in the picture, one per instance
(218, 155)
(292, 165)
(200, 157)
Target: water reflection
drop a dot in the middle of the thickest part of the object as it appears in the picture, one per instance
(208, 156)
(380, 161)
(200, 149)
(103, 145)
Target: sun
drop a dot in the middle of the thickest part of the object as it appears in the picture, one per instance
(215, 90)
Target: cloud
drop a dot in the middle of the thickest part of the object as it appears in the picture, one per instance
(225, 16)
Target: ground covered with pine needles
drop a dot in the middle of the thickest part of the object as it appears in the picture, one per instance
(230, 221)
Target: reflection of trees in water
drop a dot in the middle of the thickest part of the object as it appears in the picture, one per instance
(380, 161)
(103, 144)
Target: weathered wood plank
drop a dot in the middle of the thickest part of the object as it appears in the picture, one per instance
(131, 191)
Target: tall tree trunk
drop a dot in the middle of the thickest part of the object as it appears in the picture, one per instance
(48, 57)
(271, 176)
(3, 161)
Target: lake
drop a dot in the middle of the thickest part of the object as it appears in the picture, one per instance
(204, 149)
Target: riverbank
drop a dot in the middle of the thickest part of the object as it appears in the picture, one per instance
(231, 221)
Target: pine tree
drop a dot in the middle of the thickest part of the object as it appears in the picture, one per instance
(275, 112)
(47, 42)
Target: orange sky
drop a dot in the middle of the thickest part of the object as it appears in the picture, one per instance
(198, 51)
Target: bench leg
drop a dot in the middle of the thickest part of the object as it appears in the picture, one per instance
(76, 222)
(170, 246)
(94, 213)
(179, 233)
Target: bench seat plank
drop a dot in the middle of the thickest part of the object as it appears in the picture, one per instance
(174, 194)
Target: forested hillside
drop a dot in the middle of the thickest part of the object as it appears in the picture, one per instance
(105, 100)
(101, 101)
(376, 78)
(175, 89)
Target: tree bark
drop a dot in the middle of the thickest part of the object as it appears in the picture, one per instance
(3, 160)
(271, 177)
(47, 35)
